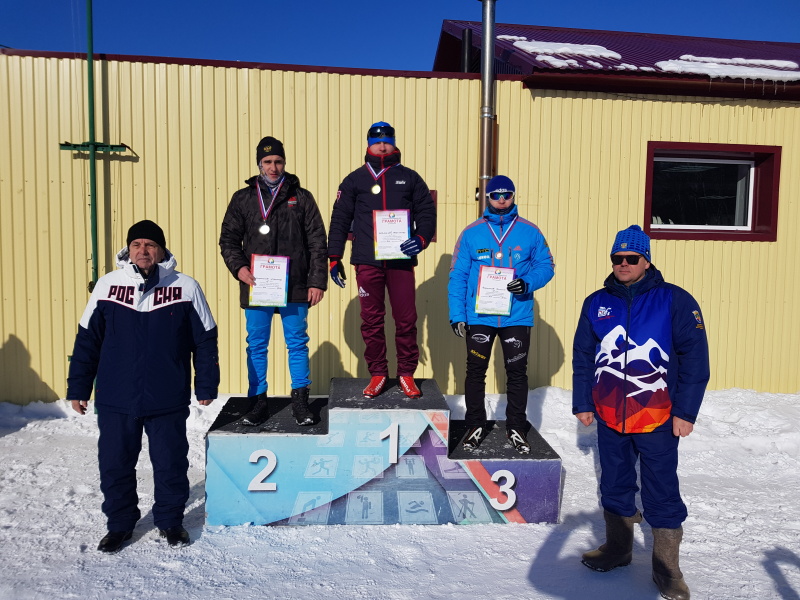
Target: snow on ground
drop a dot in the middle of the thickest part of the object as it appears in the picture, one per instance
(740, 479)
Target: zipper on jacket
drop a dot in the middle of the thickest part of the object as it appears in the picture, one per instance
(625, 367)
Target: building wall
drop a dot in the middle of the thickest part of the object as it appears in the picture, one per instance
(578, 161)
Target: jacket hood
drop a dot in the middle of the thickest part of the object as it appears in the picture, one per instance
(496, 219)
(652, 277)
(165, 267)
(381, 162)
(290, 181)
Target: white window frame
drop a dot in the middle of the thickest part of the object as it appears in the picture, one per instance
(750, 195)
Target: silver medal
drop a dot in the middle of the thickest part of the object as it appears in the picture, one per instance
(264, 229)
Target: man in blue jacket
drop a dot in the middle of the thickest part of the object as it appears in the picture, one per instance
(144, 325)
(500, 246)
(640, 365)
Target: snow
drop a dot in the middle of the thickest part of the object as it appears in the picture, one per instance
(740, 475)
(727, 68)
(566, 49)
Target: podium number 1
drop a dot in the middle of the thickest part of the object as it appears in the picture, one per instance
(258, 484)
(393, 433)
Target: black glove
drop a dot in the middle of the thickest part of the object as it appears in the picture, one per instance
(337, 271)
(412, 246)
(517, 286)
(460, 328)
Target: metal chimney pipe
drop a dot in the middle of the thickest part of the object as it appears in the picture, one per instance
(466, 50)
(488, 117)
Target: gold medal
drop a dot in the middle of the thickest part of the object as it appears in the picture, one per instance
(264, 229)
(376, 189)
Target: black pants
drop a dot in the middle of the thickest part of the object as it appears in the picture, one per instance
(516, 342)
(118, 449)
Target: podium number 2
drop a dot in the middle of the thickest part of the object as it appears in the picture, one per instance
(506, 488)
(258, 484)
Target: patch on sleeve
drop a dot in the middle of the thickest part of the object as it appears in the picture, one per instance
(699, 319)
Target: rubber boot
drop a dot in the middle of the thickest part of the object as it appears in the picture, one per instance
(618, 549)
(300, 409)
(259, 413)
(666, 570)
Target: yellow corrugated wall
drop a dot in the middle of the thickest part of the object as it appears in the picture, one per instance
(578, 160)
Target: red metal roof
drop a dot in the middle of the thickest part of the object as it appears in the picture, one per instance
(632, 62)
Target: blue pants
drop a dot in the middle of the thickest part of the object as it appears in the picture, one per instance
(118, 451)
(657, 453)
(294, 317)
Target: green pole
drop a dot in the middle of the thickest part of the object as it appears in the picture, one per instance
(92, 141)
(92, 146)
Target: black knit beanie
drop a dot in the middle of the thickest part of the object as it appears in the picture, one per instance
(147, 230)
(267, 147)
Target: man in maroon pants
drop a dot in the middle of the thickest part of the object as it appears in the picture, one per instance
(383, 196)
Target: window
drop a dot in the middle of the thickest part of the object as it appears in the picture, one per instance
(712, 191)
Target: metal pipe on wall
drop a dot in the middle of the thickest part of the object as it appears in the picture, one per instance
(488, 116)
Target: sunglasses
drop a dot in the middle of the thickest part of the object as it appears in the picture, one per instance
(501, 195)
(381, 132)
(632, 260)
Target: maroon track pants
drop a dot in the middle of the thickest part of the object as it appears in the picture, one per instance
(372, 283)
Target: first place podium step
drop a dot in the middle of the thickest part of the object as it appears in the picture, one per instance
(384, 460)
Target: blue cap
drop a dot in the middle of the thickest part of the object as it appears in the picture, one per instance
(500, 183)
(632, 239)
(380, 132)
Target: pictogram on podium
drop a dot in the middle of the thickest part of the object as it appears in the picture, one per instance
(384, 460)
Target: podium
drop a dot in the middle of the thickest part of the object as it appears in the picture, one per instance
(385, 460)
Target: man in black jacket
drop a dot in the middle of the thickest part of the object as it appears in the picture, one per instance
(273, 217)
(376, 197)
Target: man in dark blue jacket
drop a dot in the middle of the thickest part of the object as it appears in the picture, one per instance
(144, 325)
(640, 364)
(382, 188)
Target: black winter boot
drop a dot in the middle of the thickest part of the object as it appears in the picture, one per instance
(300, 409)
(618, 549)
(259, 413)
(666, 570)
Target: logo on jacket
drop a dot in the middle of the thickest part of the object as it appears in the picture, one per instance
(478, 354)
(361, 292)
(513, 341)
(697, 318)
(514, 359)
(293, 201)
(122, 293)
(400, 182)
(483, 254)
(165, 295)
(604, 312)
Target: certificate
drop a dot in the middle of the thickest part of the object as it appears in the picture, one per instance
(493, 298)
(272, 280)
(391, 229)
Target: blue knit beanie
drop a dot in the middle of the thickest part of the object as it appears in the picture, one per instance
(500, 183)
(380, 132)
(632, 239)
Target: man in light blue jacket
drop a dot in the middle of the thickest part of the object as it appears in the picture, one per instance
(498, 262)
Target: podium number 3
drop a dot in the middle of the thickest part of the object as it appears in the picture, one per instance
(258, 484)
(506, 488)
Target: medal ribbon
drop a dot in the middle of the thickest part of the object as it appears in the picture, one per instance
(265, 212)
(500, 239)
(377, 176)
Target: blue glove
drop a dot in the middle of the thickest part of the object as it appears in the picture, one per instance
(517, 286)
(460, 328)
(412, 246)
(337, 271)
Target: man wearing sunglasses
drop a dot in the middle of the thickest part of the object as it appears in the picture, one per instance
(383, 184)
(500, 243)
(640, 366)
